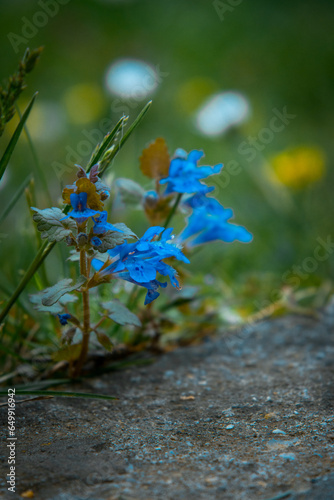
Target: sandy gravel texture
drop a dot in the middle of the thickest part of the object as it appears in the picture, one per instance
(245, 416)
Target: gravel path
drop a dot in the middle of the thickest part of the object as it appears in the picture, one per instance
(248, 416)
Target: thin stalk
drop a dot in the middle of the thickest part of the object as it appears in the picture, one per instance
(42, 253)
(99, 323)
(31, 202)
(15, 198)
(123, 140)
(86, 317)
(173, 210)
(36, 160)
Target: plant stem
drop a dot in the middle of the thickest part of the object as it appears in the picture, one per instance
(173, 210)
(86, 318)
(99, 323)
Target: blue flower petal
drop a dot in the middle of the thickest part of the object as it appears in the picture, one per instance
(97, 264)
(101, 225)
(141, 271)
(96, 241)
(150, 296)
(195, 155)
(184, 175)
(63, 318)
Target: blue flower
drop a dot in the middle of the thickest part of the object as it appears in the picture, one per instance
(101, 225)
(184, 174)
(80, 211)
(63, 318)
(96, 241)
(209, 221)
(140, 262)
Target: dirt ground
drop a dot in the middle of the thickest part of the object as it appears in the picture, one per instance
(247, 416)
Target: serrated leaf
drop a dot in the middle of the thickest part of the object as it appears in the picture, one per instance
(130, 192)
(119, 313)
(101, 187)
(48, 223)
(155, 160)
(53, 294)
(113, 238)
(74, 256)
(67, 299)
(57, 308)
(36, 299)
(67, 353)
(104, 341)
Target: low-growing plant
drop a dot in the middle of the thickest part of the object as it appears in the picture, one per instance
(113, 264)
(107, 252)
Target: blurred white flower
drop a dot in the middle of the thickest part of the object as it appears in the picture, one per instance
(131, 79)
(222, 111)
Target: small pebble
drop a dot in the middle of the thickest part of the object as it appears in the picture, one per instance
(278, 431)
(230, 426)
(288, 456)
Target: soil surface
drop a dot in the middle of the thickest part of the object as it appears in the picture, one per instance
(244, 416)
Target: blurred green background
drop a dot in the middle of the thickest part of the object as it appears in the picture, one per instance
(275, 55)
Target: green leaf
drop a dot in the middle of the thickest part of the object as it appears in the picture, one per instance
(36, 299)
(48, 222)
(131, 193)
(15, 137)
(119, 313)
(106, 143)
(67, 299)
(104, 341)
(56, 308)
(43, 384)
(113, 238)
(22, 392)
(100, 187)
(120, 144)
(53, 294)
(67, 353)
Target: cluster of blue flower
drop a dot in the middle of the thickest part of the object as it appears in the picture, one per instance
(140, 262)
(209, 220)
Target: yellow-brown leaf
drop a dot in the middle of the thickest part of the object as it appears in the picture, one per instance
(155, 160)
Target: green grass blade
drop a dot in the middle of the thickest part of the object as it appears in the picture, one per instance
(21, 392)
(15, 137)
(105, 144)
(43, 252)
(10, 352)
(41, 174)
(126, 136)
(15, 198)
(45, 384)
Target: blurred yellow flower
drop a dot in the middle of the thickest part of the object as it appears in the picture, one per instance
(299, 167)
(84, 103)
